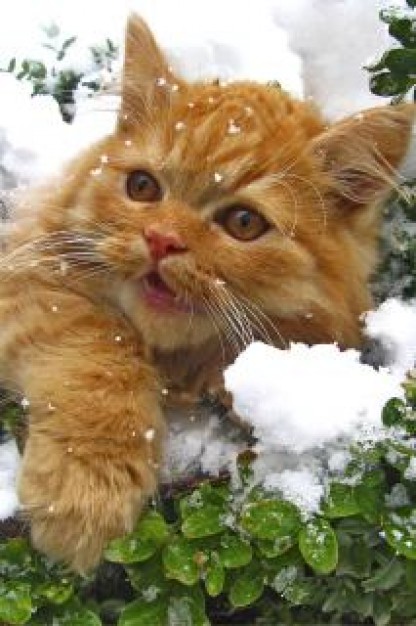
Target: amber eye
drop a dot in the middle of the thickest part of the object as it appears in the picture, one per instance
(143, 187)
(243, 223)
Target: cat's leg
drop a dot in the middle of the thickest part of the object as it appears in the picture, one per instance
(93, 448)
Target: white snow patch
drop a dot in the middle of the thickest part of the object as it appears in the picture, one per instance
(394, 325)
(301, 487)
(9, 464)
(308, 397)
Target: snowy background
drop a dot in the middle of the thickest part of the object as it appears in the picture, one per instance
(315, 49)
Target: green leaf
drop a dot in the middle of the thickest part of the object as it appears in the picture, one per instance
(187, 607)
(319, 546)
(76, 615)
(130, 549)
(234, 552)
(179, 561)
(271, 519)
(393, 412)
(401, 60)
(370, 494)
(12, 65)
(411, 574)
(271, 549)
(142, 543)
(400, 529)
(382, 611)
(205, 495)
(153, 526)
(402, 29)
(214, 578)
(16, 557)
(341, 501)
(148, 577)
(15, 602)
(55, 592)
(354, 557)
(384, 83)
(386, 577)
(204, 522)
(141, 613)
(247, 587)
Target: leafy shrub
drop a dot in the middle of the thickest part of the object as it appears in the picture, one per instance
(227, 550)
(394, 74)
(61, 82)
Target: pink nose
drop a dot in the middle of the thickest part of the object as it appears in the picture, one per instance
(162, 244)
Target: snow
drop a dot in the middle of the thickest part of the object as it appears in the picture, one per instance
(308, 397)
(36, 143)
(9, 463)
(285, 46)
(394, 325)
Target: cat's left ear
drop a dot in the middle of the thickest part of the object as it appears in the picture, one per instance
(362, 153)
(147, 79)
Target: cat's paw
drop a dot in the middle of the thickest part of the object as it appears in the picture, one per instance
(74, 515)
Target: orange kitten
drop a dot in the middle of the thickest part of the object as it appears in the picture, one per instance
(212, 215)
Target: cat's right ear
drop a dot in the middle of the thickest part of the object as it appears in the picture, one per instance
(146, 76)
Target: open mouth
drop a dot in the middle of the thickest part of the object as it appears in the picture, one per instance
(158, 295)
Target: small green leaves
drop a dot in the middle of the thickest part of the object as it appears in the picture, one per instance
(341, 501)
(15, 602)
(319, 546)
(140, 545)
(271, 519)
(400, 529)
(179, 561)
(214, 578)
(247, 587)
(234, 552)
(130, 549)
(142, 613)
(204, 522)
(393, 412)
(386, 577)
(393, 74)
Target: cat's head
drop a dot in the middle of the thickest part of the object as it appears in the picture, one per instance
(231, 208)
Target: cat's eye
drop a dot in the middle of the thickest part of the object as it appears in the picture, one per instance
(243, 223)
(143, 187)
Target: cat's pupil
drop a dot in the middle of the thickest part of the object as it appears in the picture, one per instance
(245, 219)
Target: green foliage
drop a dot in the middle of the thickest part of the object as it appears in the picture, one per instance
(57, 80)
(231, 549)
(394, 74)
(397, 271)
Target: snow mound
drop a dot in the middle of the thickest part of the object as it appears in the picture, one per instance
(308, 397)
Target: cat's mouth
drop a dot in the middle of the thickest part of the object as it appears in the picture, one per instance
(158, 295)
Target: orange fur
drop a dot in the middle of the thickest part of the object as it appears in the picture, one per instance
(78, 339)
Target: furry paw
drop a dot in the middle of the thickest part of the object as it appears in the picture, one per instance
(78, 506)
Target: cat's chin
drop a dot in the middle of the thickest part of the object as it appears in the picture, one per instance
(164, 319)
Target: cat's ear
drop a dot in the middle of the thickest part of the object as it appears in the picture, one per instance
(147, 79)
(362, 154)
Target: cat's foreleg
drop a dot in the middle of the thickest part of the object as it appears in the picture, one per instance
(93, 449)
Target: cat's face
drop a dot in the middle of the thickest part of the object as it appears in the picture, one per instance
(216, 209)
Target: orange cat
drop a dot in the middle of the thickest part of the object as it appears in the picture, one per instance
(213, 214)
